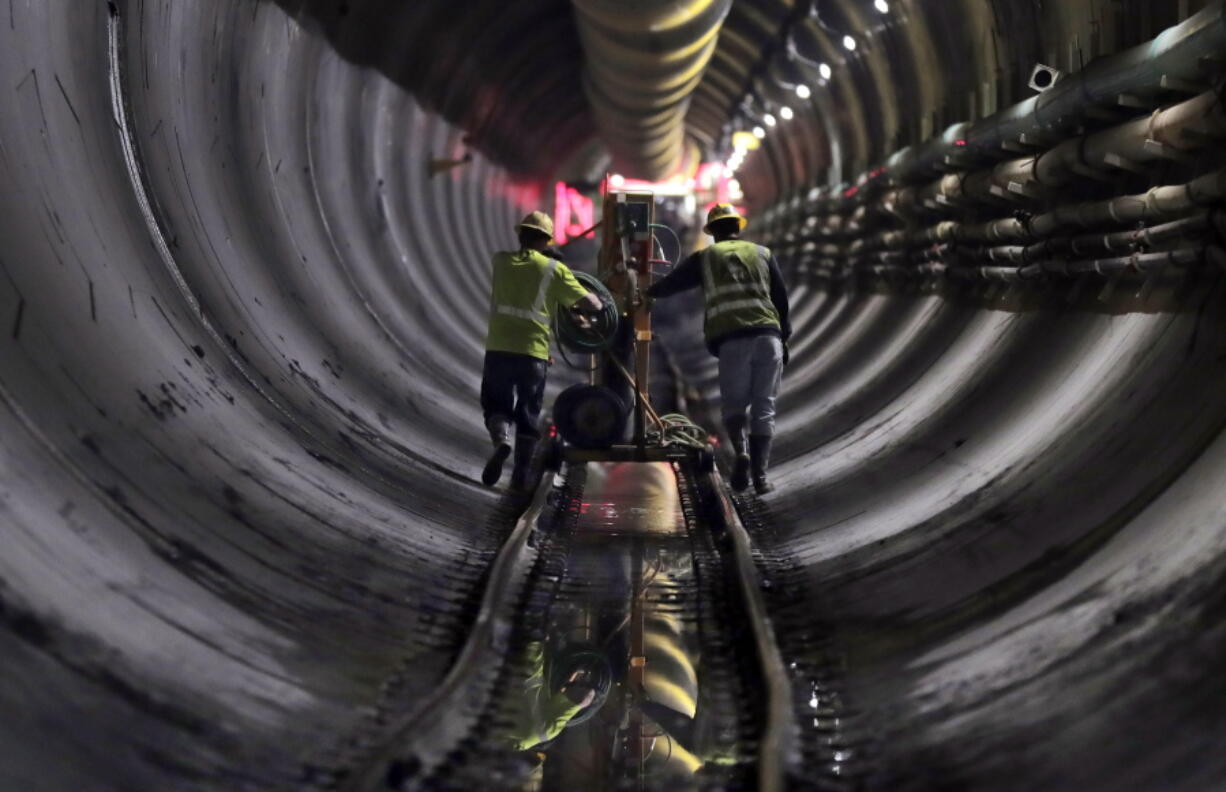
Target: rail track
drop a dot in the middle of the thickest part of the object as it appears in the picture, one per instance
(622, 643)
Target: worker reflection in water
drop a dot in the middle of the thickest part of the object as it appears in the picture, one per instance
(746, 327)
(537, 713)
(527, 284)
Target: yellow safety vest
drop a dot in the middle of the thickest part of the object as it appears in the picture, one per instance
(736, 285)
(526, 287)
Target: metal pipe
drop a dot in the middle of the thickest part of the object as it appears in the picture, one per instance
(1178, 60)
(1166, 203)
(643, 60)
(1163, 135)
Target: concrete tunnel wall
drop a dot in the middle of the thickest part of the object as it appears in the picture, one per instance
(240, 424)
(240, 439)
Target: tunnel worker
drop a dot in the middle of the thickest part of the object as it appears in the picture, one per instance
(527, 284)
(746, 327)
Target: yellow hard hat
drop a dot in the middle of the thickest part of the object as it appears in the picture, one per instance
(537, 221)
(723, 212)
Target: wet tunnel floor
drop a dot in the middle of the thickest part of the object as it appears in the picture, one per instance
(624, 674)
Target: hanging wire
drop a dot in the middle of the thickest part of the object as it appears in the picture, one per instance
(677, 239)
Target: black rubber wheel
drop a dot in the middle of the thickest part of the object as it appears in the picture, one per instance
(589, 416)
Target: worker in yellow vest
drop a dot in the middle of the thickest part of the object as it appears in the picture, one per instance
(746, 327)
(527, 284)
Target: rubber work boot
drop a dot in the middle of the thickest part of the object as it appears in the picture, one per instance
(500, 436)
(760, 455)
(740, 462)
(525, 449)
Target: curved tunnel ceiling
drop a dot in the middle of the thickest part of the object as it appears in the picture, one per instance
(239, 412)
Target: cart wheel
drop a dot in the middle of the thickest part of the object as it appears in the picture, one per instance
(589, 416)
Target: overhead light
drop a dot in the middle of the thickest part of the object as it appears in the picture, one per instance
(744, 141)
(759, 132)
(849, 43)
(786, 113)
(803, 91)
(826, 71)
(882, 6)
(769, 119)
(617, 180)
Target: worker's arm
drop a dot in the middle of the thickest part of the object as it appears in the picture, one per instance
(686, 275)
(779, 297)
(568, 292)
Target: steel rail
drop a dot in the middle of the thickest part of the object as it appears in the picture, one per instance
(423, 737)
(777, 751)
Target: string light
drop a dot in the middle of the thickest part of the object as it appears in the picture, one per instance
(803, 91)
(882, 6)
(786, 113)
(769, 119)
(849, 43)
(826, 71)
(759, 132)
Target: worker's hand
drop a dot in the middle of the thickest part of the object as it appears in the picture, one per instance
(579, 689)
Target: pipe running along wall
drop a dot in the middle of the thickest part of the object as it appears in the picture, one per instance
(242, 335)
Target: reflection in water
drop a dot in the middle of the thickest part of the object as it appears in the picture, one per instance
(614, 698)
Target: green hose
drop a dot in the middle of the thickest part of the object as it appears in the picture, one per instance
(678, 430)
(602, 329)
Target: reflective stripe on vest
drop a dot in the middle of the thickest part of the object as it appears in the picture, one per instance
(735, 305)
(537, 312)
(756, 289)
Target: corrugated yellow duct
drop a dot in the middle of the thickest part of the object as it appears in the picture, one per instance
(644, 58)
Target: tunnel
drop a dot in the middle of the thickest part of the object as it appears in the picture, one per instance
(246, 248)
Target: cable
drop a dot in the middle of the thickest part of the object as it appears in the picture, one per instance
(601, 331)
(676, 239)
(678, 430)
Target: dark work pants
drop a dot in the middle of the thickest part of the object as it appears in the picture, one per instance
(513, 387)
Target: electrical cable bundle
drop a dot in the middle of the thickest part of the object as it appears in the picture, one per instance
(677, 430)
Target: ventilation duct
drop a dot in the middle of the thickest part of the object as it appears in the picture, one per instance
(643, 60)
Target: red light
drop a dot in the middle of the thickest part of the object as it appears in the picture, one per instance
(960, 143)
(851, 192)
(574, 213)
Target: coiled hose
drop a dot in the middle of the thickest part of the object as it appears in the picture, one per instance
(677, 430)
(601, 329)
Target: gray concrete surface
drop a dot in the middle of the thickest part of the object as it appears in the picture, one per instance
(238, 426)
